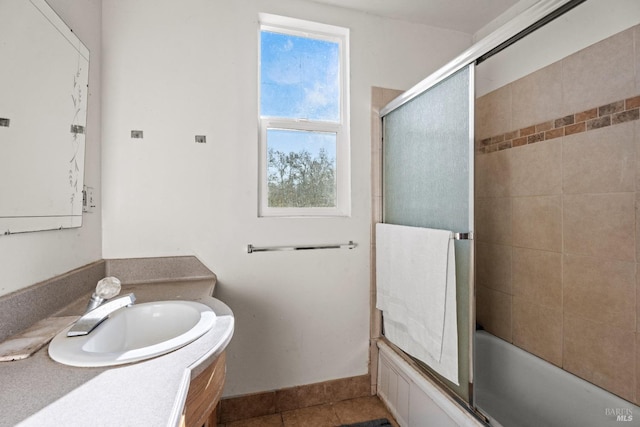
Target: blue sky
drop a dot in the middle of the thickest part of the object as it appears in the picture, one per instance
(299, 77)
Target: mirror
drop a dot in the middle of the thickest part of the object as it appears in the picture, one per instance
(43, 106)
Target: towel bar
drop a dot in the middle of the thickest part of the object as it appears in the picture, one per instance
(251, 249)
(463, 236)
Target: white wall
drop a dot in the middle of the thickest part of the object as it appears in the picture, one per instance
(583, 26)
(503, 18)
(177, 69)
(33, 257)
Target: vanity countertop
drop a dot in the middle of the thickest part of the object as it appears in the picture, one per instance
(40, 392)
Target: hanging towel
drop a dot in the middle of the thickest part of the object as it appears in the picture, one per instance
(416, 290)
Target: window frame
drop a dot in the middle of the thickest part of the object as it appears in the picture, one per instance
(340, 35)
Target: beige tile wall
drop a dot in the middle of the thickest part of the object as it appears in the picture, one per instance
(557, 191)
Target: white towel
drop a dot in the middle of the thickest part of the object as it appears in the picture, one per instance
(416, 290)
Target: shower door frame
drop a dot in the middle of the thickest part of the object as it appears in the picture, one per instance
(517, 28)
(525, 23)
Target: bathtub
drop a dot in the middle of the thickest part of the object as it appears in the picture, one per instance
(517, 389)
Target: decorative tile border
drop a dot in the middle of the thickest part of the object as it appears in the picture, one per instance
(607, 115)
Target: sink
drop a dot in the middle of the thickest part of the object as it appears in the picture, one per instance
(135, 333)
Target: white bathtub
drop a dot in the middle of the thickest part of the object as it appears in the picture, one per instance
(413, 398)
(518, 389)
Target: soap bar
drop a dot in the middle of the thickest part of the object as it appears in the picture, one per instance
(29, 341)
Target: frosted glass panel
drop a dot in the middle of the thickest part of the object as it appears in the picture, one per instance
(427, 182)
(426, 158)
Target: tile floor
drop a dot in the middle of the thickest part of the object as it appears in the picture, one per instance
(329, 415)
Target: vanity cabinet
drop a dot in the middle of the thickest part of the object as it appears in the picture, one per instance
(204, 394)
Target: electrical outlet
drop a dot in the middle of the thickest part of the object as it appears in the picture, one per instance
(88, 200)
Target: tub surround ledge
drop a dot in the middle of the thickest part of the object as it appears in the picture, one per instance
(40, 392)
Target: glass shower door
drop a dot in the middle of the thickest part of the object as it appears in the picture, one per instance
(428, 182)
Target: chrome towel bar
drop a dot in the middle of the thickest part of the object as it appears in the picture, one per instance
(251, 249)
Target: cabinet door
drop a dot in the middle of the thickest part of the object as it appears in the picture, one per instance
(204, 394)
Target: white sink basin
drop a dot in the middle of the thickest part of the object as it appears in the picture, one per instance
(134, 333)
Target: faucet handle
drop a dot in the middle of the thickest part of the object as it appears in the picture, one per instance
(108, 287)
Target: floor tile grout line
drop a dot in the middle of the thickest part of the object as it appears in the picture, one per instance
(362, 403)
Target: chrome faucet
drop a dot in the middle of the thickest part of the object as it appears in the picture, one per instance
(93, 318)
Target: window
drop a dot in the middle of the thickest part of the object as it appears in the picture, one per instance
(304, 132)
